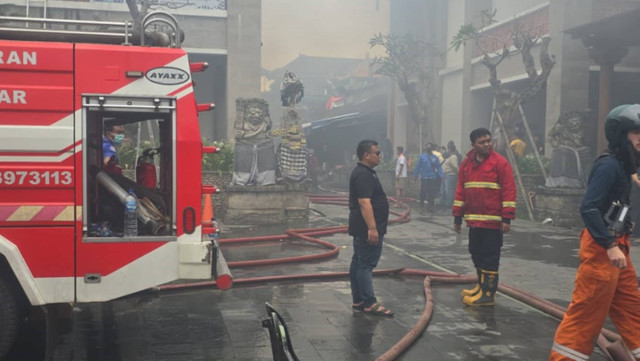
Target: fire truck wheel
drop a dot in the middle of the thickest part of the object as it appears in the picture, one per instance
(8, 317)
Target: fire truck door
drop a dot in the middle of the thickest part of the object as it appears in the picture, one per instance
(110, 262)
(37, 204)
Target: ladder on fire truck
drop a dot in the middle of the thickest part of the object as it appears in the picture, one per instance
(159, 26)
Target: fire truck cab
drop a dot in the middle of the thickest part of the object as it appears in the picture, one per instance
(62, 88)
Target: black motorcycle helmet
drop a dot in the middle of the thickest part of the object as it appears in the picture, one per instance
(619, 121)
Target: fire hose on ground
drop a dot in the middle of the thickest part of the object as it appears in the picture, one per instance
(608, 341)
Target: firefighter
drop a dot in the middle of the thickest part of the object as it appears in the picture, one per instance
(606, 281)
(112, 138)
(486, 197)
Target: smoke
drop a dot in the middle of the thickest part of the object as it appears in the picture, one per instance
(329, 28)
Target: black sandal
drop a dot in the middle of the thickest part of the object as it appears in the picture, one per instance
(378, 310)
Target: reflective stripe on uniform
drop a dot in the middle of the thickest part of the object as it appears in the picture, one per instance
(636, 353)
(508, 204)
(489, 185)
(458, 203)
(481, 217)
(567, 352)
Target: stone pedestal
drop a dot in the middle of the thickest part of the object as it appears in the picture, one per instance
(559, 204)
(272, 204)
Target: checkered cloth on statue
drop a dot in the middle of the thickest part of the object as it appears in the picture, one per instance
(292, 162)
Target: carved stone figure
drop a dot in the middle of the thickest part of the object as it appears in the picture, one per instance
(252, 119)
(571, 158)
(292, 151)
(291, 90)
(570, 129)
(254, 158)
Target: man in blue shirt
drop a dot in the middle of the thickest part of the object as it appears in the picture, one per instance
(112, 138)
(430, 172)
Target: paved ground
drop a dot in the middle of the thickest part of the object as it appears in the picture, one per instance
(209, 324)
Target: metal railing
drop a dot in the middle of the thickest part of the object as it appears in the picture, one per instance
(159, 28)
(102, 31)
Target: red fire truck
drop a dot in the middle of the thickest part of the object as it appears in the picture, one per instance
(62, 85)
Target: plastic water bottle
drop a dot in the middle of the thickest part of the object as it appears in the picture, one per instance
(130, 215)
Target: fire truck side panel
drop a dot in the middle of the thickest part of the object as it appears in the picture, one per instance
(37, 205)
(50, 267)
(189, 151)
(150, 269)
(58, 262)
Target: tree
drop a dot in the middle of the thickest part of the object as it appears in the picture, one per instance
(521, 37)
(508, 103)
(409, 61)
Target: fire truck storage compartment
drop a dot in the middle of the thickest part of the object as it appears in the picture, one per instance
(149, 123)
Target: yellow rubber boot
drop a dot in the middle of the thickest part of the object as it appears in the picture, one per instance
(488, 287)
(474, 290)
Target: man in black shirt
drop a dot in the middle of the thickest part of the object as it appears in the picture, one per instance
(368, 216)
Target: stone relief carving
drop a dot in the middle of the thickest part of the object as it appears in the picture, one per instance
(252, 119)
(571, 158)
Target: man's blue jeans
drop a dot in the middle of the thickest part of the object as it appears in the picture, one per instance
(365, 259)
(450, 182)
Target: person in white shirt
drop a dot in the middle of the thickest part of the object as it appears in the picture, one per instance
(450, 168)
(401, 173)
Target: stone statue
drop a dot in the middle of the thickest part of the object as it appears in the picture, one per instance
(292, 151)
(252, 119)
(570, 129)
(571, 158)
(254, 157)
(291, 90)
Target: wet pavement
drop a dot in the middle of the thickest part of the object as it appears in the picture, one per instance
(209, 324)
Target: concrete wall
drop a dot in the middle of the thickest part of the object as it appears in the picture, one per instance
(451, 77)
(423, 18)
(472, 10)
(455, 18)
(244, 55)
(211, 86)
(568, 83)
(451, 109)
(407, 16)
(273, 204)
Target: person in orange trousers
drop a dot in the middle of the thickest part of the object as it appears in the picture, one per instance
(606, 282)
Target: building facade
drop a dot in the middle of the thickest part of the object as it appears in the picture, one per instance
(578, 81)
